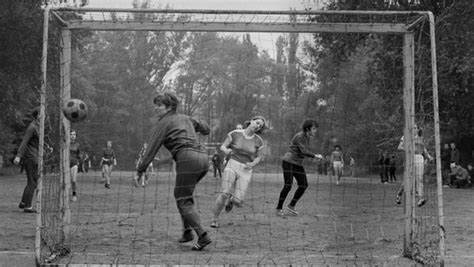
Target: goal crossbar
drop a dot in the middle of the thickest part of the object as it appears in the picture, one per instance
(238, 20)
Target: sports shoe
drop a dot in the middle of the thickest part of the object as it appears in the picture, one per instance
(215, 224)
(399, 199)
(280, 213)
(29, 210)
(21, 205)
(187, 236)
(202, 242)
(107, 186)
(291, 210)
(421, 202)
(229, 205)
(74, 198)
(135, 181)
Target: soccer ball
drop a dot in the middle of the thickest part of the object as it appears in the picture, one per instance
(75, 110)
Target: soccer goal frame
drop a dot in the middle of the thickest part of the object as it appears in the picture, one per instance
(248, 21)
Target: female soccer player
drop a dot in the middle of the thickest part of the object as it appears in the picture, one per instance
(420, 154)
(28, 155)
(244, 147)
(337, 159)
(292, 165)
(74, 157)
(177, 132)
(107, 162)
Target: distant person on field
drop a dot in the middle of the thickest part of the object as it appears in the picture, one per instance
(28, 156)
(421, 154)
(74, 158)
(459, 176)
(392, 168)
(455, 155)
(108, 162)
(337, 159)
(216, 164)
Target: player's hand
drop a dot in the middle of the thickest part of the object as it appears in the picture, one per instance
(249, 165)
(318, 156)
(16, 161)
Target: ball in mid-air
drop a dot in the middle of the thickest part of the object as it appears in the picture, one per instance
(75, 110)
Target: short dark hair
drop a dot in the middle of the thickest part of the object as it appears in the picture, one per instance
(168, 99)
(308, 124)
(35, 112)
(338, 146)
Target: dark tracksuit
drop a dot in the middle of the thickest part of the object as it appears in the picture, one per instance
(292, 165)
(28, 152)
(177, 133)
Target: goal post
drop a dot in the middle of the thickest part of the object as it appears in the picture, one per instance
(98, 19)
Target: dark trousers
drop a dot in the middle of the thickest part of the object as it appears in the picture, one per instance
(392, 174)
(289, 171)
(191, 167)
(217, 169)
(31, 169)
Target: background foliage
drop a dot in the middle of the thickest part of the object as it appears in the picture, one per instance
(351, 83)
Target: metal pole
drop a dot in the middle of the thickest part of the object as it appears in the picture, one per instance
(439, 178)
(42, 114)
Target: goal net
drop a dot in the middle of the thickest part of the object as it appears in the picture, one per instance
(365, 77)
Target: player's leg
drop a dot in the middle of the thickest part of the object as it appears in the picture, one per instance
(228, 179)
(191, 167)
(103, 173)
(419, 170)
(302, 181)
(108, 172)
(287, 182)
(31, 169)
(400, 193)
(244, 176)
(74, 170)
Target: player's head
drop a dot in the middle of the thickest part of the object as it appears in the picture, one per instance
(35, 112)
(239, 126)
(257, 123)
(452, 145)
(417, 130)
(453, 164)
(337, 147)
(73, 135)
(166, 100)
(469, 166)
(310, 127)
(108, 143)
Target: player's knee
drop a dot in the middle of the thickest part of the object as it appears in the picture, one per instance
(237, 202)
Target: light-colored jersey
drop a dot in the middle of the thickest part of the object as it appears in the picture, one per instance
(244, 149)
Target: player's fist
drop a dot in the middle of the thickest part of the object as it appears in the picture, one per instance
(16, 161)
(318, 156)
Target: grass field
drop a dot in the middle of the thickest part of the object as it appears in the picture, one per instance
(355, 223)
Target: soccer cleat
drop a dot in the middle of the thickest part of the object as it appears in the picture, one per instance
(29, 210)
(107, 186)
(202, 242)
(421, 202)
(229, 206)
(399, 200)
(74, 198)
(280, 213)
(187, 236)
(291, 210)
(215, 224)
(135, 182)
(21, 205)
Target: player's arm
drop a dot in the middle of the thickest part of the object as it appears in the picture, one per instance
(26, 138)
(298, 141)
(200, 126)
(153, 146)
(225, 147)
